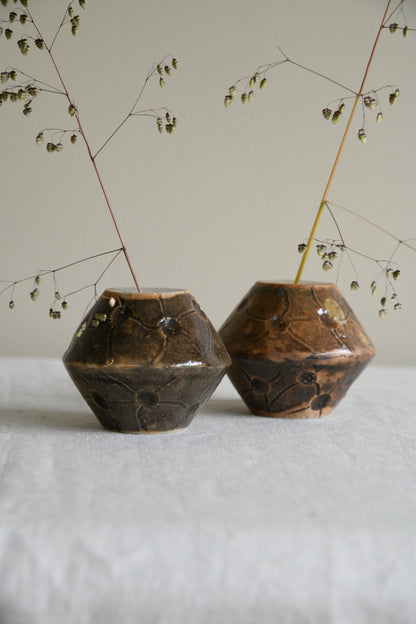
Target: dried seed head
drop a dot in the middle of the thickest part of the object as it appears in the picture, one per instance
(74, 138)
(95, 322)
(64, 305)
(250, 96)
(57, 295)
(362, 135)
(8, 33)
(379, 117)
(81, 330)
(59, 147)
(25, 3)
(336, 116)
(167, 70)
(160, 69)
(174, 122)
(373, 287)
(23, 18)
(354, 285)
(40, 44)
(244, 98)
(82, 3)
(251, 83)
(327, 265)
(72, 110)
(382, 313)
(11, 304)
(405, 31)
(174, 63)
(256, 77)
(12, 16)
(393, 27)
(332, 255)
(169, 128)
(327, 112)
(4, 76)
(228, 100)
(301, 247)
(232, 90)
(392, 98)
(37, 280)
(321, 249)
(397, 306)
(161, 83)
(396, 274)
(34, 294)
(263, 83)
(23, 46)
(383, 301)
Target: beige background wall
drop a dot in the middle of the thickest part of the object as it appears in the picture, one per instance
(225, 200)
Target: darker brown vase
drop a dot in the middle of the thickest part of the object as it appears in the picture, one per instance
(146, 362)
(295, 348)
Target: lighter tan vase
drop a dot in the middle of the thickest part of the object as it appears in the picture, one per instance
(295, 348)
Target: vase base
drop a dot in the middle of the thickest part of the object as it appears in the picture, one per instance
(144, 433)
(309, 415)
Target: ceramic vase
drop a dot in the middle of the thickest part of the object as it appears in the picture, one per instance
(146, 362)
(295, 348)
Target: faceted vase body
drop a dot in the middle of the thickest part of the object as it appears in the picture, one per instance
(295, 349)
(146, 362)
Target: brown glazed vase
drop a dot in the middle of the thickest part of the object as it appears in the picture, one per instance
(295, 348)
(146, 362)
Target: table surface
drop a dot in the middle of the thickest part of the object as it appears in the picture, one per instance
(238, 519)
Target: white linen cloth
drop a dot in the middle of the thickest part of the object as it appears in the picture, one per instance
(238, 519)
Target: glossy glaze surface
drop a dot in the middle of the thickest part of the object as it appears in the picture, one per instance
(151, 361)
(295, 349)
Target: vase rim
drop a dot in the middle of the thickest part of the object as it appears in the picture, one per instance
(291, 283)
(145, 293)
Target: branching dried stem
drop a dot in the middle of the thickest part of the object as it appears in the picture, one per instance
(340, 150)
(331, 251)
(70, 17)
(370, 100)
(36, 279)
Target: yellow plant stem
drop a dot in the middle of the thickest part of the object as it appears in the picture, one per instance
(338, 156)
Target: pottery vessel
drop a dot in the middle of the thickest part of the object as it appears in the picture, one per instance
(146, 362)
(295, 348)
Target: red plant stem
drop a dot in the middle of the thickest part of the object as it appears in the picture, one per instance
(396, 238)
(92, 158)
(338, 156)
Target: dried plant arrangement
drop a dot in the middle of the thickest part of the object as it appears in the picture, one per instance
(373, 104)
(19, 26)
(296, 347)
(145, 360)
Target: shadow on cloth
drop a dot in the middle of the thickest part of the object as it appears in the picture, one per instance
(230, 407)
(51, 420)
